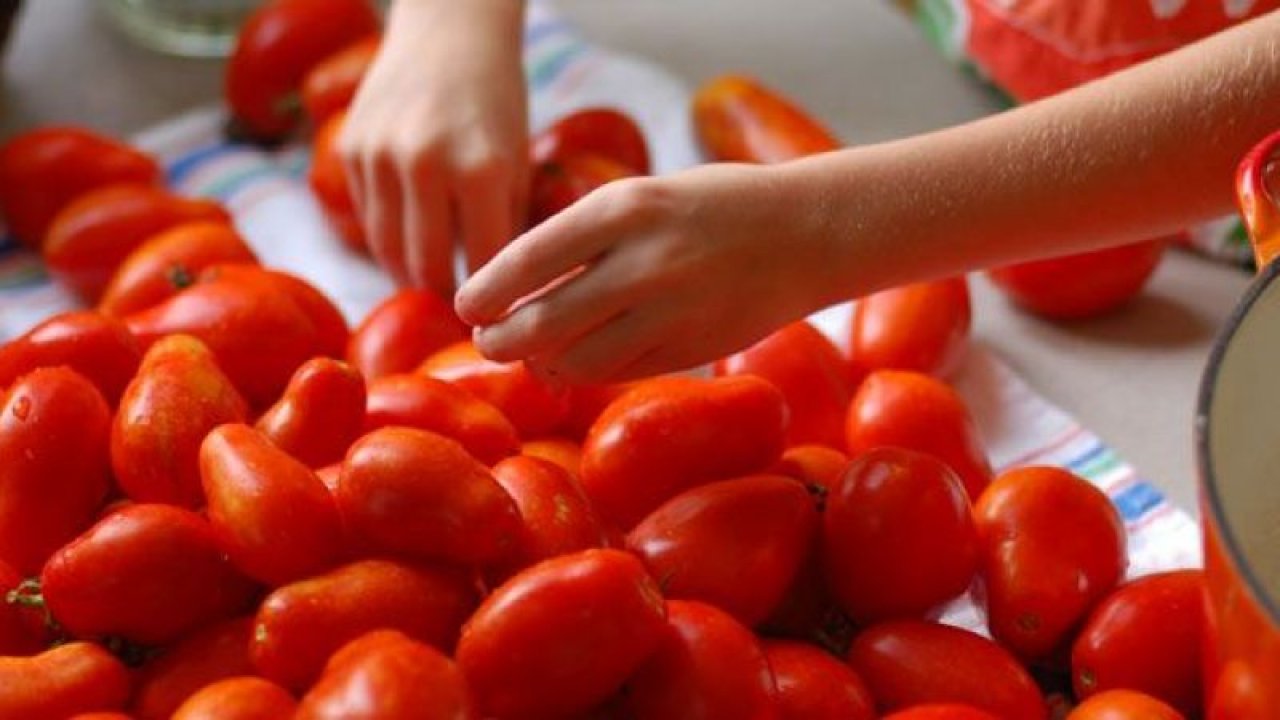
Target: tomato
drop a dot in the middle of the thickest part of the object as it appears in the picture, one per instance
(42, 170)
(914, 662)
(213, 653)
(91, 237)
(703, 542)
(1080, 286)
(277, 521)
(529, 403)
(1124, 705)
(327, 177)
(299, 625)
(55, 474)
(558, 518)
(668, 434)
(941, 711)
(60, 682)
(814, 465)
(430, 404)
(386, 675)
(808, 612)
(255, 329)
(418, 494)
(585, 403)
(922, 327)
(707, 665)
(178, 396)
(561, 636)
(561, 181)
(1052, 546)
(170, 261)
(915, 411)
(101, 716)
(320, 414)
(596, 131)
(275, 49)
(98, 347)
(811, 374)
(331, 328)
(148, 573)
(739, 120)
(565, 453)
(331, 83)
(238, 698)
(402, 331)
(22, 630)
(898, 536)
(1146, 636)
(1241, 692)
(813, 685)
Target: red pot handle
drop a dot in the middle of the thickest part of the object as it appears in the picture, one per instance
(1256, 179)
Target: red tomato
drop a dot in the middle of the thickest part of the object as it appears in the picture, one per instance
(565, 453)
(562, 636)
(386, 675)
(808, 612)
(300, 625)
(238, 698)
(668, 434)
(898, 536)
(1146, 636)
(1052, 546)
(22, 630)
(1123, 705)
(1080, 286)
(705, 541)
(55, 474)
(913, 662)
(558, 518)
(101, 716)
(178, 396)
(327, 177)
(1241, 692)
(277, 521)
(528, 402)
(813, 685)
(811, 374)
(277, 46)
(91, 237)
(739, 120)
(418, 494)
(170, 261)
(586, 402)
(42, 170)
(917, 412)
(429, 404)
(814, 465)
(562, 181)
(63, 681)
(922, 327)
(98, 347)
(255, 329)
(320, 414)
(148, 573)
(402, 331)
(213, 653)
(331, 328)
(331, 83)
(707, 665)
(595, 131)
(941, 711)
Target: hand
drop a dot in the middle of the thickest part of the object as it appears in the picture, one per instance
(435, 144)
(648, 275)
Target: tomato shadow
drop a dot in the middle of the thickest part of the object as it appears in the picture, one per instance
(1151, 320)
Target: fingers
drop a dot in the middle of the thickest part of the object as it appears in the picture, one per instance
(485, 220)
(606, 352)
(429, 234)
(383, 215)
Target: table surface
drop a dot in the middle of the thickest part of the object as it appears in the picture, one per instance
(1131, 377)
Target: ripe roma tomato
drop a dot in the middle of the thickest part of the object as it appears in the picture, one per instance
(528, 402)
(327, 177)
(58, 683)
(561, 636)
(1123, 705)
(22, 630)
(560, 182)
(917, 412)
(213, 653)
(922, 327)
(330, 326)
(238, 698)
(277, 46)
(941, 711)
(42, 170)
(1146, 636)
(98, 347)
(1080, 286)
(320, 414)
(809, 370)
(402, 331)
(814, 685)
(331, 83)
(739, 120)
(817, 466)
(558, 518)
(898, 536)
(426, 403)
(596, 131)
(1052, 546)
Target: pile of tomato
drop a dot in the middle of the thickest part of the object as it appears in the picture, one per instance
(217, 500)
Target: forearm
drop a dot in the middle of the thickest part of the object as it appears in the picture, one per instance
(1139, 154)
(500, 23)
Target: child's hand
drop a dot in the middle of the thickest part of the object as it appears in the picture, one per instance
(436, 140)
(654, 274)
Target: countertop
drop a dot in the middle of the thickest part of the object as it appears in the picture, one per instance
(1131, 377)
